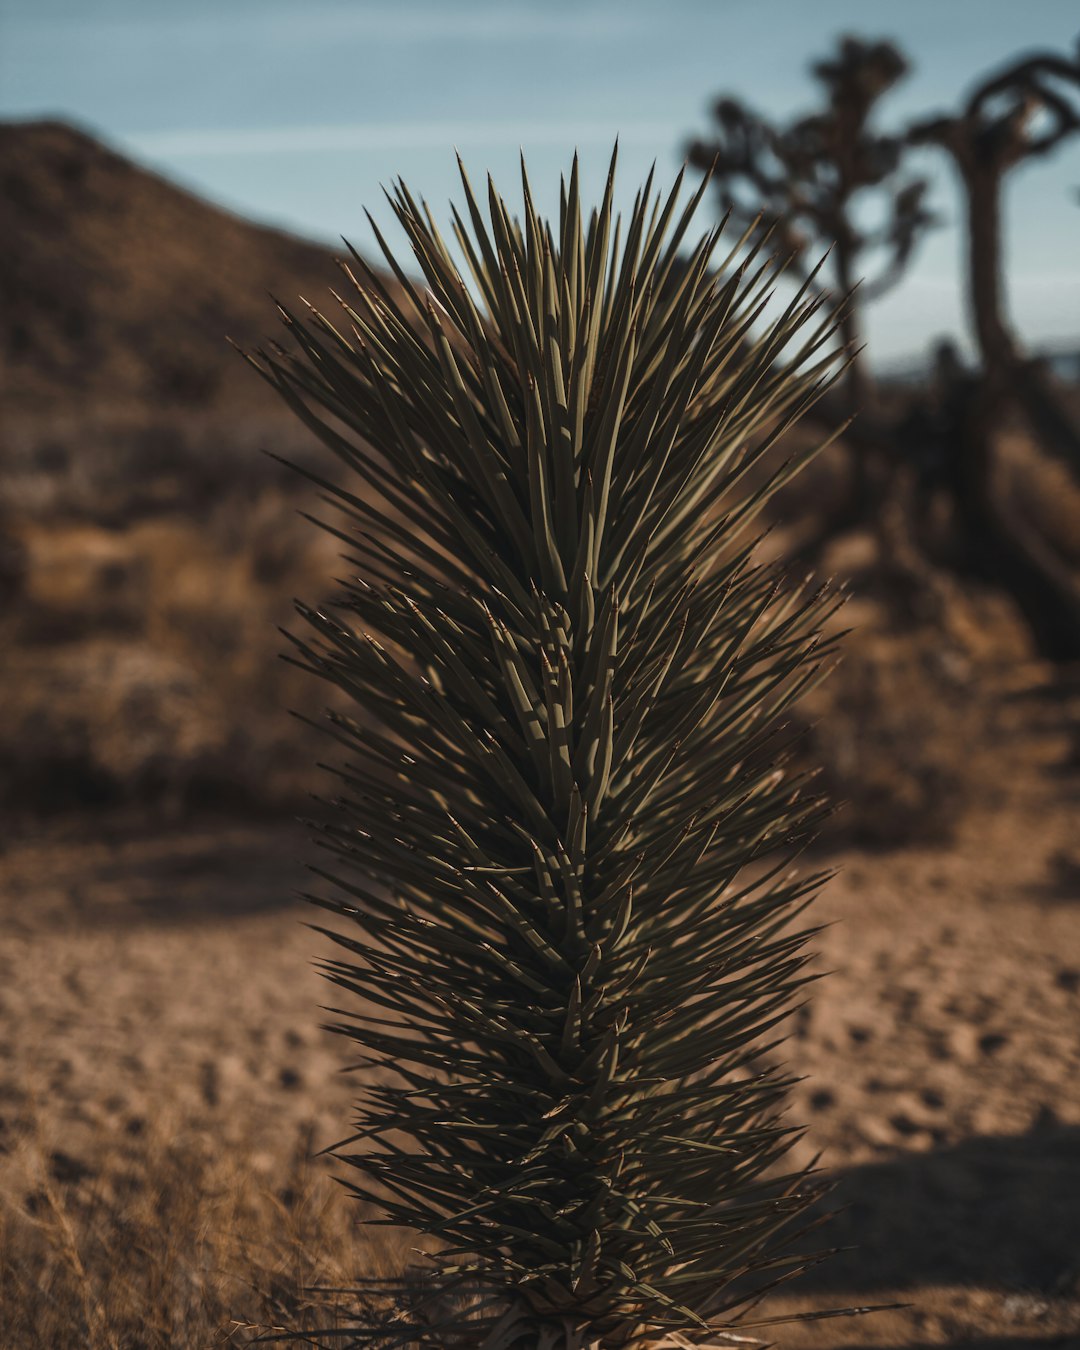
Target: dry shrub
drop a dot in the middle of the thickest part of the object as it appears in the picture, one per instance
(905, 727)
(1046, 493)
(140, 661)
(895, 760)
(115, 469)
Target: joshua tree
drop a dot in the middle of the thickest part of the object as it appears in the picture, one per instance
(566, 670)
(1023, 112)
(803, 183)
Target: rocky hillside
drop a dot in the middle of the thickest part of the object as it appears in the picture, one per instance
(119, 287)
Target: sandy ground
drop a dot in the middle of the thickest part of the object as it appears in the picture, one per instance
(160, 989)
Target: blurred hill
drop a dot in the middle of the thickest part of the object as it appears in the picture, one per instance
(117, 387)
(123, 285)
(148, 551)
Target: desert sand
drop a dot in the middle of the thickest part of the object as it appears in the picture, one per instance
(163, 1079)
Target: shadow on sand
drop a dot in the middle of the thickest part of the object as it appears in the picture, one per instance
(997, 1213)
(194, 876)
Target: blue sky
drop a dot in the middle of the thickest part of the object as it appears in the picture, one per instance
(295, 111)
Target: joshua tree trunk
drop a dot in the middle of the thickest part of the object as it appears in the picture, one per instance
(985, 291)
(1004, 549)
(1004, 362)
(857, 392)
(983, 155)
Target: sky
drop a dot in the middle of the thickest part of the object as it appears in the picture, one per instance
(294, 112)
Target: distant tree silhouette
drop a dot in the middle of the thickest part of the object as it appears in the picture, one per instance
(803, 181)
(1023, 112)
(807, 184)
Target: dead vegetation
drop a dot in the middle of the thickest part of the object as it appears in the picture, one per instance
(180, 1244)
(140, 658)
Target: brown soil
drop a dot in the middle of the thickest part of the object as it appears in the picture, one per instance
(158, 1006)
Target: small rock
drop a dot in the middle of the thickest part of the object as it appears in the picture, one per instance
(877, 1132)
(1046, 1118)
(68, 1171)
(961, 1042)
(35, 1201)
(1024, 1306)
(991, 1042)
(210, 1082)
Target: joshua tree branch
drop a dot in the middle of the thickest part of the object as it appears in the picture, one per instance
(1030, 72)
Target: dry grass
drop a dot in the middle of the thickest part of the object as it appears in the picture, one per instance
(183, 1245)
(164, 1093)
(142, 661)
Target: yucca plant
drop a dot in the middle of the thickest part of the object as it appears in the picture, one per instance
(561, 850)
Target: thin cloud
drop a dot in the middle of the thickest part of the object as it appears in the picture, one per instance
(489, 22)
(181, 144)
(950, 281)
